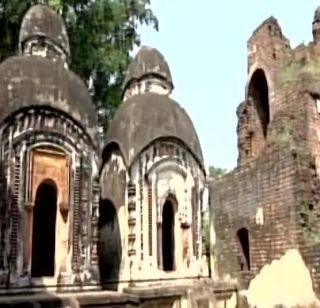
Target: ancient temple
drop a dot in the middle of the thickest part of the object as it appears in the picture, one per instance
(268, 205)
(123, 220)
(152, 181)
(74, 218)
(49, 163)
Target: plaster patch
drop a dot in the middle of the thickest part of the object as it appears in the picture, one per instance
(284, 282)
(318, 105)
(131, 153)
(119, 162)
(259, 216)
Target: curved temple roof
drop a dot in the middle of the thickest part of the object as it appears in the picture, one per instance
(43, 21)
(147, 117)
(148, 61)
(33, 80)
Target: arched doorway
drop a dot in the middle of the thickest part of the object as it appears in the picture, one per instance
(258, 94)
(110, 249)
(168, 236)
(243, 237)
(44, 230)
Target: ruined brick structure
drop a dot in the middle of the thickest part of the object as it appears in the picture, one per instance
(271, 201)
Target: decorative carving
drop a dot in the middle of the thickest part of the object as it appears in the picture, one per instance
(94, 222)
(150, 219)
(15, 213)
(131, 219)
(141, 182)
(131, 190)
(76, 220)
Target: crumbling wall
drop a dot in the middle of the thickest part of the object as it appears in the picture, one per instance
(268, 47)
(307, 192)
(277, 199)
(274, 193)
(259, 196)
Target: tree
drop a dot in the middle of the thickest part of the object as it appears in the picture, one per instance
(101, 34)
(216, 172)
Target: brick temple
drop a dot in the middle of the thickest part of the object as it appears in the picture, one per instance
(119, 222)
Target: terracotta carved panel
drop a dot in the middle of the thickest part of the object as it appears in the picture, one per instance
(54, 165)
(49, 164)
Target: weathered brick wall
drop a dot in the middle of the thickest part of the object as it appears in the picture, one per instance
(282, 179)
(275, 191)
(307, 195)
(268, 51)
(265, 186)
(268, 48)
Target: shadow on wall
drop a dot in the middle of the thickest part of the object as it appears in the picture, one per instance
(110, 250)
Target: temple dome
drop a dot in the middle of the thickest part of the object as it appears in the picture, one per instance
(145, 118)
(27, 81)
(148, 62)
(42, 21)
(317, 15)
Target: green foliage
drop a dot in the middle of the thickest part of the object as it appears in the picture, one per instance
(284, 133)
(308, 218)
(101, 34)
(290, 72)
(216, 172)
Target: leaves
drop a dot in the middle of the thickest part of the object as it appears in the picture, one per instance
(216, 172)
(101, 35)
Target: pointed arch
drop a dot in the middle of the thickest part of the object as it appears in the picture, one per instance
(44, 229)
(243, 239)
(110, 249)
(258, 92)
(166, 236)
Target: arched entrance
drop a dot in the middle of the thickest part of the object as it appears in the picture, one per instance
(243, 237)
(44, 229)
(258, 94)
(168, 236)
(110, 249)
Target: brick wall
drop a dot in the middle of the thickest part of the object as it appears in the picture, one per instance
(274, 193)
(237, 201)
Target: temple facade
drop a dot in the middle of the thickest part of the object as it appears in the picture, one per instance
(119, 222)
(152, 180)
(78, 214)
(49, 162)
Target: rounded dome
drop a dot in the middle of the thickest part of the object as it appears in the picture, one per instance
(145, 118)
(148, 61)
(27, 81)
(317, 15)
(41, 20)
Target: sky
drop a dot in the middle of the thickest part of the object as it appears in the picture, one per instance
(204, 43)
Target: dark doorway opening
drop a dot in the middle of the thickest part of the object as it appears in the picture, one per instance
(243, 237)
(168, 236)
(258, 92)
(110, 250)
(44, 230)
